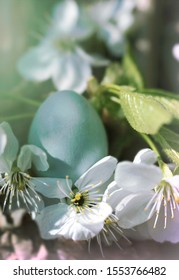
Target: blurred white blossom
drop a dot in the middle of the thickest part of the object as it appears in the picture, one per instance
(111, 20)
(59, 55)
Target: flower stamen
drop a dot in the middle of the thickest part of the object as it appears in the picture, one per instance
(16, 187)
(167, 194)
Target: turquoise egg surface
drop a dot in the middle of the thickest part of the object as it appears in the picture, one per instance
(71, 132)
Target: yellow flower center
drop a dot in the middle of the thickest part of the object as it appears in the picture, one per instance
(77, 197)
(107, 221)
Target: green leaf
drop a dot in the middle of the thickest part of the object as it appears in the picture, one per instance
(171, 106)
(160, 93)
(144, 113)
(169, 141)
(169, 100)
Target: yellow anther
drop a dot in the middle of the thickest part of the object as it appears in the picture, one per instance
(176, 197)
(107, 221)
(78, 196)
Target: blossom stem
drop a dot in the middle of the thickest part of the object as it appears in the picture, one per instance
(150, 143)
(116, 89)
(16, 117)
(164, 167)
(22, 99)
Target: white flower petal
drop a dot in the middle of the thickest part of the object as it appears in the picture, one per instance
(97, 213)
(3, 141)
(114, 194)
(65, 16)
(145, 156)
(9, 147)
(76, 231)
(173, 181)
(137, 177)
(65, 187)
(102, 11)
(112, 187)
(170, 233)
(98, 174)
(94, 60)
(84, 27)
(114, 39)
(112, 19)
(131, 209)
(38, 63)
(31, 154)
(48, 217)
(49, 187)
(84, 226)
(124, 19)
(72, 74)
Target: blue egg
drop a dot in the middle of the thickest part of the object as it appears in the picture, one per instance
(70, 131)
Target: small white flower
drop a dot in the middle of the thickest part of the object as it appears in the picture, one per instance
(17, 187)
(132, 189)
(81, 213)
(142, 193)
(58, 56)
(164, 225)
(111, 19)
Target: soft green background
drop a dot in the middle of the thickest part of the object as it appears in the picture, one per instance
(21, 25)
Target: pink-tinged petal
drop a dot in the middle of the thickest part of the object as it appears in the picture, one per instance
(42, 254)
(135, 177)
(175, 51)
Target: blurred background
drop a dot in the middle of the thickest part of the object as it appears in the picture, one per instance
(154, 39)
